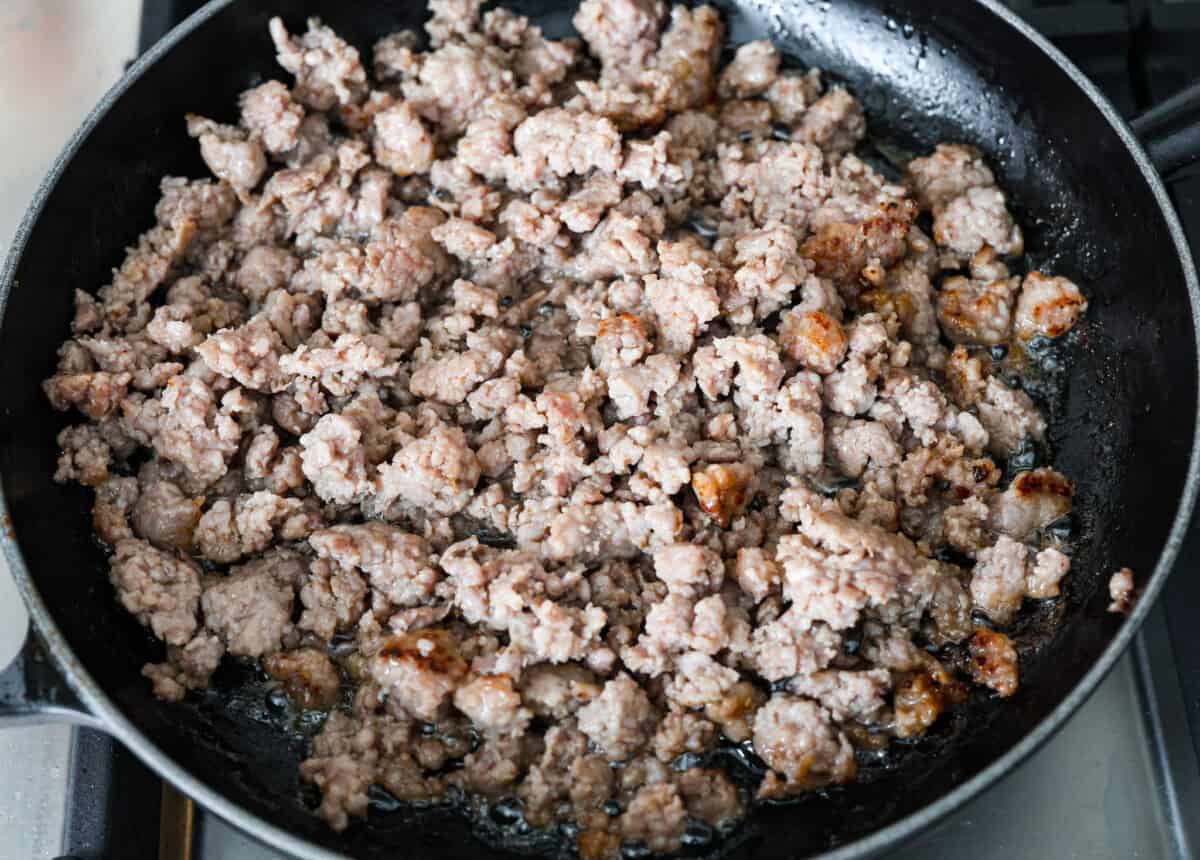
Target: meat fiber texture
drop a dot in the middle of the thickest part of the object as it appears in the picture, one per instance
(533, 416)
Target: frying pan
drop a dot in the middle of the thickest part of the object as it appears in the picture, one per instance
(1125, 429)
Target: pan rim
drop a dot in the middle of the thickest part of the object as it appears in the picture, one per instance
(119, 726)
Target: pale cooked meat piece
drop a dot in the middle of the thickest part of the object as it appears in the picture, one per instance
(270, 115)
(791, 93)
(979, 217)
(622, 34)
(558, 691)
(655, 817)
(160, 588)
(251, 607)
(1010, 418)
(950, 171)
(846, 695)
(437, 472)
(998, 579)
(1120, 590)
(798, 741)
(397, 564)
(751, 72)
(327, 70)
(402, 143)
(491, 703)
(453, 81)
(619, 720)
(333, 598)
(1049, 568)
(188, 667)
(835, 122)
(228, 153)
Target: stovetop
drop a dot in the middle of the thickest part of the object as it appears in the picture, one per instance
(1122, 779)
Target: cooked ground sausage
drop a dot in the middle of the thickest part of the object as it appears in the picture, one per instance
(566, 406)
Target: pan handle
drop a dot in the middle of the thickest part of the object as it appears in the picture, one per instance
(1171, 131)
(34, 692)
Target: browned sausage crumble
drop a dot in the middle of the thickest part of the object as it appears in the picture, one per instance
(552, 412)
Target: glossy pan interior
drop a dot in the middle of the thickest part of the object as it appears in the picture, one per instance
(926, 71)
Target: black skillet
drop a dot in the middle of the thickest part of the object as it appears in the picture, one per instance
(1094, 208)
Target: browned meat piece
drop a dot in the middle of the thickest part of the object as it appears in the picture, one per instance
(166, 516)
(1032, 501)
(1048, 306)
(993, 661)
(966, 379)
(841, 251)
(85, 456)
(709, 796)
(308, 677)
(918, 703)
(419, 671)
(814, 339)
(723, 490)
